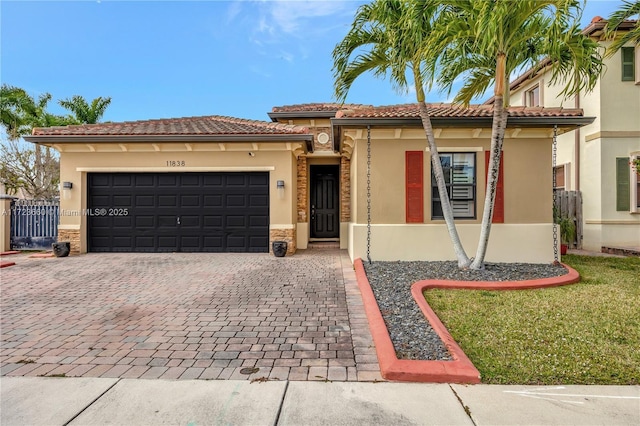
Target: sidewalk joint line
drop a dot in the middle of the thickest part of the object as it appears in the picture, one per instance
(466, 409)
(284, 395)
(92, 402)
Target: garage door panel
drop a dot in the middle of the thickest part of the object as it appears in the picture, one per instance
(259, 180)
(258, 201)
(236, 242)
(145, 201)
(258, 221)
(236, 180)
(258, 241)
(212, 201)
(101, 200)
(235, 222)
(167, 180)
(167, 241)
(190, 200)
(99, 222)
(213, 242)
(144, 179)
(213, 180)
(145, 242)
(120, 180)
(167, 201)
(167, 221)
(190, 243)
(122, 221)
(144, 221)
(209, 212)
(121, 241)
(121, 200)
(191, 222)
(190, 179)
(236, 200)
(213, 221)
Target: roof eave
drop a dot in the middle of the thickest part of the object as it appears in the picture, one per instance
(462, 121)
(300, 114)
(43, 139)
(468, 122)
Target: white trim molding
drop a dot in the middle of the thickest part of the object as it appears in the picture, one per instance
(282, 226)
(176, 169)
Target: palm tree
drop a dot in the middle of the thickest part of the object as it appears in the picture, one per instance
(385, 38)
(487, 41)
(627, 11)
(83, 112)
(14, 101)
(34, 170)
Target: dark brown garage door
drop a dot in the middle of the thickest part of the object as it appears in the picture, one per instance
(185, 212)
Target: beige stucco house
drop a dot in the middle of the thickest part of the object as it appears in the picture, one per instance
(595, 159)
(217, 184)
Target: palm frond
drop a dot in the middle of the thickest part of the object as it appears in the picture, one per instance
(627, 11)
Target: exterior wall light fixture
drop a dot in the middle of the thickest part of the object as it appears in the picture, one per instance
(280, 187)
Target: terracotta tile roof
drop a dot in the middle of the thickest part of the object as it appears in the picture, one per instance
(207, 125)
(325, 107)
(449, 110)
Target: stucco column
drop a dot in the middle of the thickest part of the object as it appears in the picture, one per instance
(5, 222)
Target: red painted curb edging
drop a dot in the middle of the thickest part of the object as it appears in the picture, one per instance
(7, 253)
(41, 255)
(461, 369)
(5, 264)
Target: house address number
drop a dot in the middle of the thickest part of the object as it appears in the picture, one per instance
(176, 163)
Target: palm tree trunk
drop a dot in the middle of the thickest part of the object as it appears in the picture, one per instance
(497, 140)
(447, 211)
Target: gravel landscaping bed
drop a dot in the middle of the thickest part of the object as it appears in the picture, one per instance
(411, 334)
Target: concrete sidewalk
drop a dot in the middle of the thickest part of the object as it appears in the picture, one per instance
(98, 401)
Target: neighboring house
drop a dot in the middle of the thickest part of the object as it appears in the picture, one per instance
(220, 184)
(595, 159)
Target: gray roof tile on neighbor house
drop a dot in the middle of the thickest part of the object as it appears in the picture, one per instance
(449, 110)
(207, 125)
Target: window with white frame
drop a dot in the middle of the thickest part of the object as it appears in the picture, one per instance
(460, 178)
(562, 176)
(628, 183)
(532, 96)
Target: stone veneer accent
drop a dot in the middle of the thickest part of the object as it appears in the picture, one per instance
(72, 235)
(288, 235)
(345, 189)
(302, 189)
(317, 147)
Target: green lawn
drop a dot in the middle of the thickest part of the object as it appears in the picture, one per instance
(585, 333)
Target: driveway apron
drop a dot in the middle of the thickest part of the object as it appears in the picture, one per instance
(186, 316)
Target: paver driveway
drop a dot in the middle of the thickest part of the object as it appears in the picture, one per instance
(186, 316)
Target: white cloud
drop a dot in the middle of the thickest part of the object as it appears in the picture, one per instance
(293, 16)
(301, 16)
(235, 8)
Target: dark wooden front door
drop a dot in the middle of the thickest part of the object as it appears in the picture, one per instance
(325, 201)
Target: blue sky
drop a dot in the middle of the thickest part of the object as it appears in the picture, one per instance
(160, 59)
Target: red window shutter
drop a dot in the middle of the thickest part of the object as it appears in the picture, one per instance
(498, 207)
(414, 172)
